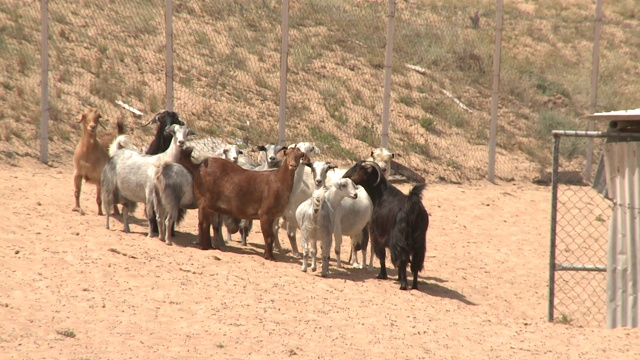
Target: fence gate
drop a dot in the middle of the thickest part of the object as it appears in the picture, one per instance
(579, 231)
(580, 226)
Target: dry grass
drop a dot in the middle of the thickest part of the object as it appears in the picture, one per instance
(227, 66)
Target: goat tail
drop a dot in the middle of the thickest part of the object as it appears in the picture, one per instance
(121, 142)
(108, 186)
(416, 192)
(181, 214)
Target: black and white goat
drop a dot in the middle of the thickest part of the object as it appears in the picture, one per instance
(398, 221)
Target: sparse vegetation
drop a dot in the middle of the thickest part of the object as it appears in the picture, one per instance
(564, 319)
(66, 333)
(336, 58)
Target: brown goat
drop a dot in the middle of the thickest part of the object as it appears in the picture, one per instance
(91, 155)
(222, 187)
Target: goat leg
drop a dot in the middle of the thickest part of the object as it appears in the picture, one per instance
(381, 253)
(204, 225)
(314, 253)
(402, 275)
(291, 234)
(305, 252)
(98, 199)
(125, 218)
(267, 226)
(326, 250)
(77, 186)
(337, 233)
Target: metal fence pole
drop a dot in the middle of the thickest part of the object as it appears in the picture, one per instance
(44, 83)
(554, 214)
(284, 55)
(388, 59)
(169, 53)
(495, 93)
(593, 103)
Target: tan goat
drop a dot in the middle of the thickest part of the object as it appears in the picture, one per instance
(91, 155)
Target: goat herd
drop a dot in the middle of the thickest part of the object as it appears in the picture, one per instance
(228, 188)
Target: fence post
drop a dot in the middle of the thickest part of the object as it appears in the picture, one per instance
(284, 55)
(495, 93)
(554, 214)
(388, 59)
(168, 20)
(44, 83)
(593, 101)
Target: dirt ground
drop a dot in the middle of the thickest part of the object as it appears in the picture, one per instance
(71, 289)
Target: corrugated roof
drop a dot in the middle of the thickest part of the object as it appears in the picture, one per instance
(633, 114)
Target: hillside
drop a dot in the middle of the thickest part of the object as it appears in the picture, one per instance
(226, 84)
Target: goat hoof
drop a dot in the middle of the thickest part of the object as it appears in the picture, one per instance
(152, 235)
(382, 276)
(79, 210)
(324, 275)
(304, 270)
(313, 269)
(169, 243)
(403, 287)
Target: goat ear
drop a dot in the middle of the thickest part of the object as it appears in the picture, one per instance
(190, 132)
(332, 166)
(81, 117)
(261, 148)
(171, 130)
(309, 165)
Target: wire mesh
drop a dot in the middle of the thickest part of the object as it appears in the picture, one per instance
(226, 66)
(439, 53)
(582, 227)
(331, 43)
(20, 76)
(96, 61)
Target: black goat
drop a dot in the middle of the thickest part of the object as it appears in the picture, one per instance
(160, 144)
(162, 140)
(398, 221)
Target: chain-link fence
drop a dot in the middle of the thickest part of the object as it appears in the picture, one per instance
(579, 237)
(226, 73)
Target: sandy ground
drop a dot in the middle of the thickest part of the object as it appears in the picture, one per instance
(483, 294)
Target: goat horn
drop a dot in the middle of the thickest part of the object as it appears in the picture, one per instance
(379, 171)
(154, 118)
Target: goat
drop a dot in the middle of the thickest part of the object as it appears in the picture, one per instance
(162, 139)
(128, 176)
(317, 217)
(234, 225)
(302, 189)
(353, 218)
(398, 221)
(268, 156)
(160, 143)
(221, 187)
(172, 191)
(91, 155)
(380, 156)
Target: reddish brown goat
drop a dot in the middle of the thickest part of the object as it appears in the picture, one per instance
(222, 187)
(91, 155)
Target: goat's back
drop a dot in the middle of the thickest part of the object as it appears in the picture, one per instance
(232, 190)
(174, 185)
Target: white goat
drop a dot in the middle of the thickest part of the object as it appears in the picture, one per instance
(303, 185)
(128, 176)
(317, 217)
(355, 215)
(172, 190)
